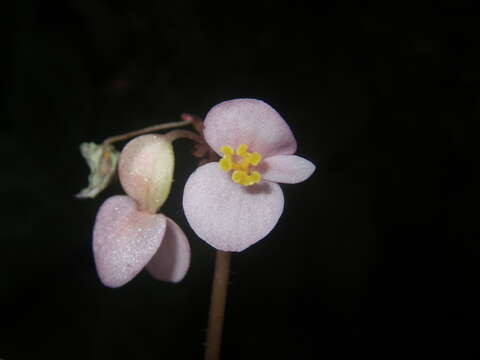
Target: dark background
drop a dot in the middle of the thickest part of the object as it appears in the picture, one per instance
(376, 255)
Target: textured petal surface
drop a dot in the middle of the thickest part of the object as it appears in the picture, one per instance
(228, 216)
(172, 259)
(288, 169)
(145, 170)
(124, 240)
(251, 122)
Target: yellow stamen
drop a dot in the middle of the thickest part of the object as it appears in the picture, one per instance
(255, 177)
(240, 177)
(242, 173)
(225, 164)
(227, 150)
(242, 150)
(255, 158)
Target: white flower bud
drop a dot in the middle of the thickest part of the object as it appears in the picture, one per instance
(146, 171)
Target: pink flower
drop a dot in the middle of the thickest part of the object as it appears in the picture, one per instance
(128, 234)
(236, 202)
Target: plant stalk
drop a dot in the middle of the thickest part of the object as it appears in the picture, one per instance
(147, 130)
(217, 305)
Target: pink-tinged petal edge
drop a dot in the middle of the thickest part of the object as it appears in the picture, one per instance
(229, 216)
(251, 122)
(172, 259)
(124, 240)
(287, 169)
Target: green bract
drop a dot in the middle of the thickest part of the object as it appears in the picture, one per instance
(102, 160)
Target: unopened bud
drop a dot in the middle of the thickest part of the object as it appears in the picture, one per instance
(146, 170)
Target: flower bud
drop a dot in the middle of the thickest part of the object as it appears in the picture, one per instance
(145, 170)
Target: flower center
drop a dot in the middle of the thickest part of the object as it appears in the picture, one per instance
(240, 163)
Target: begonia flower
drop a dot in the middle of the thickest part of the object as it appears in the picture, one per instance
(233, 203)
(129, 234)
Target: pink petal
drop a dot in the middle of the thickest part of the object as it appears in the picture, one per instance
(172, 259)
(251, 122)
(229, 216)
(145, 170)
(288, 169)
(124, 240)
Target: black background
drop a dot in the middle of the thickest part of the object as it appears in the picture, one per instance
(376, 255)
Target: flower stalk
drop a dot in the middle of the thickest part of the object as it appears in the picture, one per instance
(147, 130)
(217, 305)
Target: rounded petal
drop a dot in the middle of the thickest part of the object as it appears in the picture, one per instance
(172, 259)
(251, 122)
(229, 216)
(287, 169)
(124, 240)
(145, 170)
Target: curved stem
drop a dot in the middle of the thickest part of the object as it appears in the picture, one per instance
(183, 134)
(147, 130)
(217, 305)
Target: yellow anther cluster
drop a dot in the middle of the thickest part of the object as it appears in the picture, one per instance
(241, 168)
